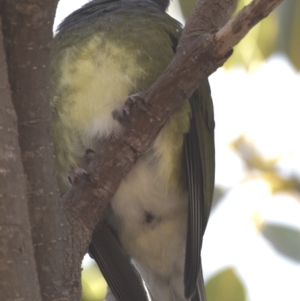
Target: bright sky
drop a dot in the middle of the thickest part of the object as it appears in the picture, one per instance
(264, 106)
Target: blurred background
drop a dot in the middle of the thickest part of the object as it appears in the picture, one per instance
(251, 247)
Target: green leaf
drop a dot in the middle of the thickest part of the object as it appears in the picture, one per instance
(225, 286)
(187, 7)
(93, 284)
(285, 240)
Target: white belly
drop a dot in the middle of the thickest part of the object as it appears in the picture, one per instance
(150, 220)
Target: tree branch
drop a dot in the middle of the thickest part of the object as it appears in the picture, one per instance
(234, 31)
(27, 31)
(17, 262)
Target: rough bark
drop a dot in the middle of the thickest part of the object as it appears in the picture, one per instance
(17, 262)
(27, 31)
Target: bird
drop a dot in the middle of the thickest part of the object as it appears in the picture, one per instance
(148, 245)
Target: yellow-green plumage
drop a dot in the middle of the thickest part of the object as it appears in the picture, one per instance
(94, 77)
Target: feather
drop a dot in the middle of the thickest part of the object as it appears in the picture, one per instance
(199, 156)
(121, 276)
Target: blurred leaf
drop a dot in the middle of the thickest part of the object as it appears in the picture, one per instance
(93, 284)
(250, 155)
(225, 286)
(187, 7)
(267, 168)
(289, 32)
(284, 239)
(219, 193)
(279, 183)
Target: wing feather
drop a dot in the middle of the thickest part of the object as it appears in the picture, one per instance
(200, 168)
(120, 275)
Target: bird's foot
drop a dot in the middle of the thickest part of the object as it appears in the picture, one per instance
(88, 156)
(132, 100)
(75, 174)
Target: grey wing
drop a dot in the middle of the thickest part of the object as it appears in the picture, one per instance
(120, 275)
(200, 167)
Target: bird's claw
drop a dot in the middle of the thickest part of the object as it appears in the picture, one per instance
(75, 174)
(132, 100)
(88, 156)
